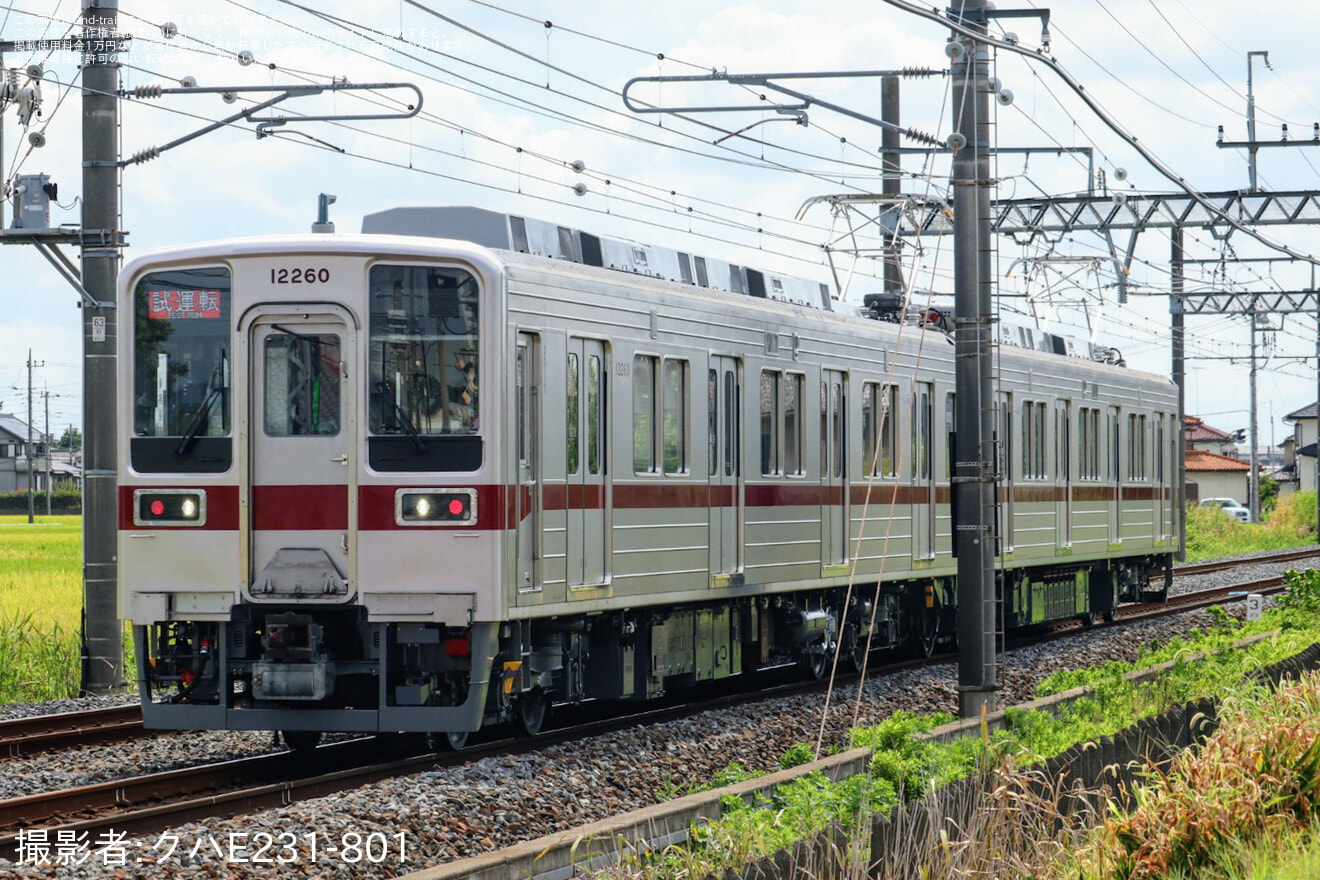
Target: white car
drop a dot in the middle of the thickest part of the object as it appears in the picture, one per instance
(1228, 506)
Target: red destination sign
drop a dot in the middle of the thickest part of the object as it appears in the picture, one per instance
(179, 305)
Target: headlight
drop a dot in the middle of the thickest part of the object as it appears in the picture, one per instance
(435, 507)
(169, 507)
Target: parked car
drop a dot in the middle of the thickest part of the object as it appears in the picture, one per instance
(1228, 506)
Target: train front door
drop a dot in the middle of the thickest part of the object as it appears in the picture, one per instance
(723, 391)
(587, 514)
(301, 428)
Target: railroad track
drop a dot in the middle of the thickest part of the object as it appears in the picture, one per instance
(22, 737)
(1226, 564)
(152, 803)
(29, 736)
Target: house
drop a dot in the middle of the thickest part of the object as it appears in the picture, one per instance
(1299, 450)
(14, 453)
(1198, 435)
(1217, 476)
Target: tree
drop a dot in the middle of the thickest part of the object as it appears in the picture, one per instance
(70, 440)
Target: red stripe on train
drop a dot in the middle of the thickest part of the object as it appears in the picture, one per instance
(286, 508)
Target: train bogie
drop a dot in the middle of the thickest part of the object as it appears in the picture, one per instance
(383, 483)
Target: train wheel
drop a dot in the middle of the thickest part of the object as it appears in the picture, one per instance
(301, 740)
(530, 712)
(1109, 616)
(448, 740)
(929, 636)
(1087, 619)
(854, 647)
(815, 663)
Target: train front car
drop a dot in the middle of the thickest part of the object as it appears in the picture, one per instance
(311, 516)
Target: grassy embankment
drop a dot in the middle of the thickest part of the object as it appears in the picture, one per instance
(1212, 534)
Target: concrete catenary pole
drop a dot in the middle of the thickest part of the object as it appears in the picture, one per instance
(891, 165)
(102, 631)
(1179, 339)
(974, 485)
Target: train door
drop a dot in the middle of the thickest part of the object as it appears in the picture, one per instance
(586, 521)
(836, 506)
(1115, 478)
(1063, 507)
(302, 463)
(923, 471)
(723, 394)
(527, 503)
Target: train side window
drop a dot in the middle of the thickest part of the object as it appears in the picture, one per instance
(643, 413)
(571, 441)
(712, 421)
(1034, 440)
(731, 446)
(595, 415)
(794, 423)
(1137, 470)
(700, 263)
(770, 423)
(674, 407)
(1088, 442)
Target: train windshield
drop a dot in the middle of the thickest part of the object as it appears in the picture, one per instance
(181, 354)
(424, 351)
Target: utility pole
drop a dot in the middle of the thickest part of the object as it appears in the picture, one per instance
(102, 631)
(31, 451)
(45, 395)
(973, 481)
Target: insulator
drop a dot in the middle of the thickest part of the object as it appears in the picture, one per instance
(144, 155)
(923, 138)
(13, 78)
(917, 71)
(151, 91)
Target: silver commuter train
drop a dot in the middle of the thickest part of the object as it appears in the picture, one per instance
(470, 465)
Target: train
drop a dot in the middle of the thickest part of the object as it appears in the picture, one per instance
(466, 466)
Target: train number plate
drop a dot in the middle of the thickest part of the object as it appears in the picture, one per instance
(300, 275)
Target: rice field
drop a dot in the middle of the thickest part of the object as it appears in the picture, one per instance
(41, 569)
(40, 607)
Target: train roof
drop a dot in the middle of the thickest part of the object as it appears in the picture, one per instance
(510, 232)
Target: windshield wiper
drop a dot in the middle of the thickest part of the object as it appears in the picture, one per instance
(199, 418)
(401, 417)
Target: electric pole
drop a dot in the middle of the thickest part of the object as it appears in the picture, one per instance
(31, 450)
(45, 396)
(974, 278)
(102, 632)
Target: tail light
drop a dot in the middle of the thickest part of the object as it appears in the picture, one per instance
(169, 507)
(435, 507)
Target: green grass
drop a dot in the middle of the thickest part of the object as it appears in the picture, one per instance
(1212, 534)
(40, 607)
(905, 764)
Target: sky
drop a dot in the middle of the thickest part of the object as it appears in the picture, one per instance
(515, 93)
